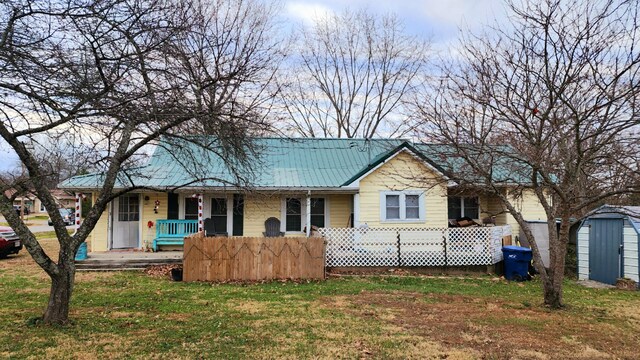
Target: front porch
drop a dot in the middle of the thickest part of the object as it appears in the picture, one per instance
(160, 221)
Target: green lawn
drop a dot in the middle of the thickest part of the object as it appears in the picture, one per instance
(49, 234)
(133, 315)
(39, 217)
(2, 223)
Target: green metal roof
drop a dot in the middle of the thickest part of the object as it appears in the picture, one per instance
(277, 163)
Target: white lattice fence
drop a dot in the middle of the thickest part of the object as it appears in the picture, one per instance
(413, 246)
(421, 247)
(468, 246)
(498, 233)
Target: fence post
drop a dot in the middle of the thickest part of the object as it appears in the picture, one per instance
(489, 239)
(398, 245)
(444, 246)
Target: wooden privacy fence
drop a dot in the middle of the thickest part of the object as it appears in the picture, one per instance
(250, 259)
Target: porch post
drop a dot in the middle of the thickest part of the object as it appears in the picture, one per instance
(78, 218)
(200, 217)
(308, 213)
(356, 210)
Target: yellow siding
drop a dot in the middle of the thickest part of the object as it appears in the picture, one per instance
(257, 209)
(340, 208)
(148, 214)
(490, 205)
(530, 208)
(99, 237)
(404, 172)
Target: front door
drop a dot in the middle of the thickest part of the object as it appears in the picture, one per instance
(605, 241)
(126, 224)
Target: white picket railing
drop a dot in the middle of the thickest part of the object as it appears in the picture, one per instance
(414, 246)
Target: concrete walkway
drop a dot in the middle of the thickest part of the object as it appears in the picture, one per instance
(127, 260)
(594, 284)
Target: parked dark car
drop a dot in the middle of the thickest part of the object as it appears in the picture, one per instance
(68, 216)
(9, 242)
(17, 209)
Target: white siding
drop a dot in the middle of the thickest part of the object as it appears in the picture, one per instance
(583, 253)
(631, 253)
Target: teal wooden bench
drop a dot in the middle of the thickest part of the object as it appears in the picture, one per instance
(173, 232)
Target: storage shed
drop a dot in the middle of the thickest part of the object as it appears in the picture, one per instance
(608, 243)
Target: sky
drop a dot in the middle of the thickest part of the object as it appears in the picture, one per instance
(437, 20)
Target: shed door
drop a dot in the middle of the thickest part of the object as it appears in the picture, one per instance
(605, 255)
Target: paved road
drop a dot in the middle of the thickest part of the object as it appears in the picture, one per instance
(37, 225)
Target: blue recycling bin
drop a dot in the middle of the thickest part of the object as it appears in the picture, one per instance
(516, 262)
(82, 252)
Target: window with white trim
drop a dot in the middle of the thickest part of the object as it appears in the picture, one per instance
(460, 207)
(191, 208)
(295, 213)
(402, 206)
(219, 214)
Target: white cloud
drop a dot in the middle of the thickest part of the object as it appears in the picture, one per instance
(307, 12)
(462, 13)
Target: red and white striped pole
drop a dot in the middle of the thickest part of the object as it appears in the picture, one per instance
(200, 217)
(78, 210)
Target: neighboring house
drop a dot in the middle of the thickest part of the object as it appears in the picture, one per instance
(608, 244)
(322, 182)
(63, 198)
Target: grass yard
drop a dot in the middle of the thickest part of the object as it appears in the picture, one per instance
(2, 223)
(38, 217)
(133, 315)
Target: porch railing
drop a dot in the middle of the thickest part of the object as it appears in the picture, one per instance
(176, 229)
(414, 246)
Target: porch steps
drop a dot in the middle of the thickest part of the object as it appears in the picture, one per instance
(122, 264)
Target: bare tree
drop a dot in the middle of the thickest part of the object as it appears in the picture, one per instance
(118, 76)
(351, 76)
(549, 101)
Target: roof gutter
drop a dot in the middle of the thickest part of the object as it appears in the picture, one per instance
(335, 190)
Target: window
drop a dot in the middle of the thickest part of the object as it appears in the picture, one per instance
(293, 214)
(129, 208)
(454, 207)
(463, 207)
(191, 208)
(317, 212)
(219, 214)
(412, 206)
(402, 206)
(393, 207)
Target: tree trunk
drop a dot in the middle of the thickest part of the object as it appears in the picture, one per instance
(558, 250)
(553, 295)
(57, 312)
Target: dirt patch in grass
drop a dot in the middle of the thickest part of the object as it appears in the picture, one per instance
(251, 307)
(495, 328)
(88, 276)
